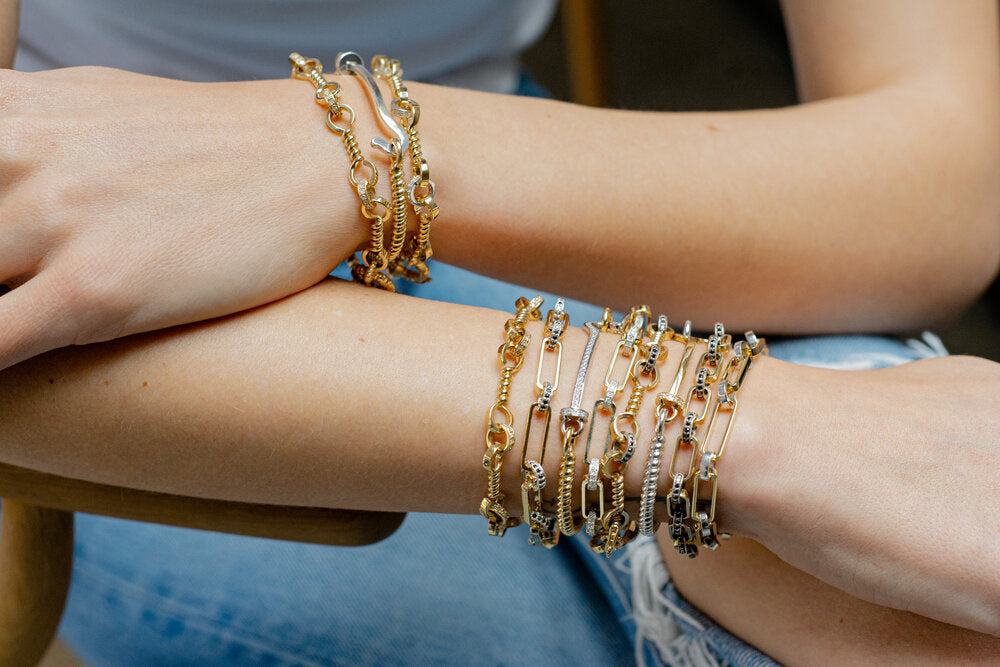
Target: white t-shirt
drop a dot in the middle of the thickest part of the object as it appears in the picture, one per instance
(466, 43)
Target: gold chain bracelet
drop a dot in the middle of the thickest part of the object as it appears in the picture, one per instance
(542, 524)
(421, 190)
(669, 404)
(500, 433)
(703, 509)
(370, 268)
(616, 528)
(351, 63)
(679, 504)
(593, 512)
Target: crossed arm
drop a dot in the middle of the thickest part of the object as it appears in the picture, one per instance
(873, 205)
(828, 215)
(847, 475)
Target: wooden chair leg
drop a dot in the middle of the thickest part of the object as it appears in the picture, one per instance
(584, 33)
(36, 563)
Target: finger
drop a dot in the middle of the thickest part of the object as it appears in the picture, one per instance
(34, 319)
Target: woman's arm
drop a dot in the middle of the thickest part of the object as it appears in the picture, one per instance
(129, 203)
(851, 211)
(798, 619)
(8, 31)
(342, 396)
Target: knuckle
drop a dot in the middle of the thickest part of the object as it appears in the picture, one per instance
(30, 199)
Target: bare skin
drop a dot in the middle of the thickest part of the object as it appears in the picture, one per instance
(829, 214)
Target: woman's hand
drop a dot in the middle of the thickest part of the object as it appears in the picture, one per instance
(882, 483)
(130, 203)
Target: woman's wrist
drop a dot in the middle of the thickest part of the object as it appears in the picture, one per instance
(317, 155)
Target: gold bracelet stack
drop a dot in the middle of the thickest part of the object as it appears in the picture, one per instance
(708, 408)
(377, 265)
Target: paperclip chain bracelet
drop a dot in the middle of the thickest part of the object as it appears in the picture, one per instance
(500, 433)
(679, 500)
(615, 529)
(370, 269)
(703, 509)
(593, 513)
(542, 525)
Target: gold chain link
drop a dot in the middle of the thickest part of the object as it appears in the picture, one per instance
(544, 531)
(500, 434)
(702, 509)
(370, 268)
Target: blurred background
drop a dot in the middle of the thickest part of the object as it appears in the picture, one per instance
(709, 55)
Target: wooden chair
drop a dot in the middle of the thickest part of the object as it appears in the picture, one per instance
(36, 541)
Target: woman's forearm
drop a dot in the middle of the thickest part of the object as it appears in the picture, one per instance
(343, 396)
(873, 206)
(839, 214)
(830, 216)
(338, 396)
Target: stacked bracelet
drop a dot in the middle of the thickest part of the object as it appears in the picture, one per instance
(668, 405)
(378, 264)
(593, 512)
(678, 502)
(572, 421)
(709, 409)
(421, 190)
(703, 508)
(617, 529)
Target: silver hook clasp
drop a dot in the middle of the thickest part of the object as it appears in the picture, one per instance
(351, 63)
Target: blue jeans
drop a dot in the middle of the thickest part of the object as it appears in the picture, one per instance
(439, 591)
